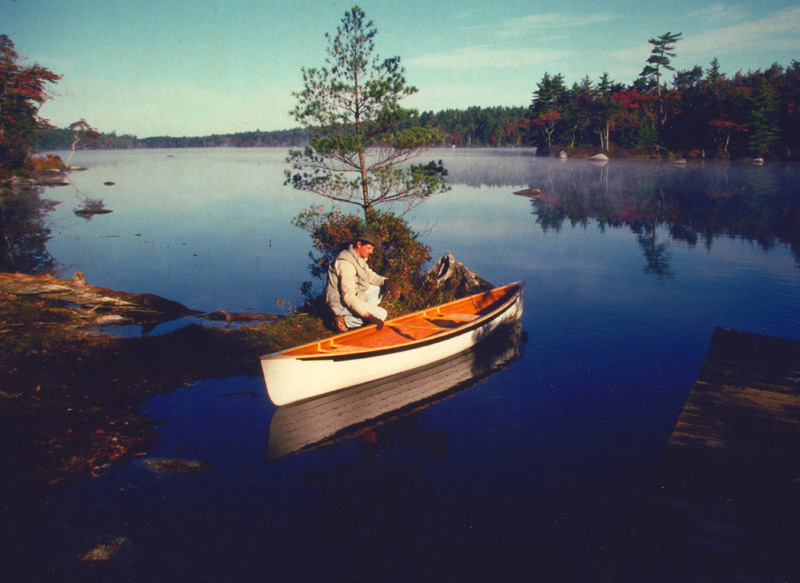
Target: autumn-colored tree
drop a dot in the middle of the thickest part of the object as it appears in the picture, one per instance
(635, 118)
(361, 136)
(82, 133)
(453, 138)
(546, 123)
(722, 129)
(22, 93)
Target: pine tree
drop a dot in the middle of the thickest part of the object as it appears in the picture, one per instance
(362, 136)
(551, 91)
(762, 124)
(659, 60)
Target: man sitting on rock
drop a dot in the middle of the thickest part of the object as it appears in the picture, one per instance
(353, 291)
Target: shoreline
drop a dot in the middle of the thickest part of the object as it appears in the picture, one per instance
(71, 394)
(576, 152)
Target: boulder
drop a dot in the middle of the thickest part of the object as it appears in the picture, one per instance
(529, 192)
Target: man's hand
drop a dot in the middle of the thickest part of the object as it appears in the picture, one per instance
(373, 320)
(390, 289)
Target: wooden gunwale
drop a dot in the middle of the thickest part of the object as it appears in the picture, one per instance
(421, 326)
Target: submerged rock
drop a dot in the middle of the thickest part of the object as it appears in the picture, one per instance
(178, 466)
(92, 211)
(108, 548)
(529, 192)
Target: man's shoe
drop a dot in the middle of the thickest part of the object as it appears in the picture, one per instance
(339, 323)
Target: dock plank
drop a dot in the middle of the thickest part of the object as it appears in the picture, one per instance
(725, 501)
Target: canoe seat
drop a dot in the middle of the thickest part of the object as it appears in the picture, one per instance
(459, 317)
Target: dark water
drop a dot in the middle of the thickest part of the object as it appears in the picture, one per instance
(533, 471)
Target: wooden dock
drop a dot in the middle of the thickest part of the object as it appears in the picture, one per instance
(725, 501)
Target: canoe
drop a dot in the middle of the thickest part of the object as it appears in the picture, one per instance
(403, 343)
(339, 415)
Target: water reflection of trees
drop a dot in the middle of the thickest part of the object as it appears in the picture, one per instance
(694, 204)
(23, 231)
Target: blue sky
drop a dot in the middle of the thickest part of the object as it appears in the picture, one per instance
(181, 67)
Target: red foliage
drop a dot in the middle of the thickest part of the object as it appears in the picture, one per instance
(547, 118)
(630, 99)
(22, 91)
(453, 138)
(723, 125)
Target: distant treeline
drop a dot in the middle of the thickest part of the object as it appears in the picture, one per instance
(700, 113)
(481, 126)
(61, 139)
(474, 126)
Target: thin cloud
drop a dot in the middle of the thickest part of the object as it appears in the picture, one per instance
(537, 22)
(501, 54)
(484, 56)
(777, 31)
(719, 13)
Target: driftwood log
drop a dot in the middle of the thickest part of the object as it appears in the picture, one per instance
(450, 272)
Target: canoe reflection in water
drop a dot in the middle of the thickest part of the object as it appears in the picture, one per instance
(336, 416)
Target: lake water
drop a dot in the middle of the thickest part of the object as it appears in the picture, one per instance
(533, 472)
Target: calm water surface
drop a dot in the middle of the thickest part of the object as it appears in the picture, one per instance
(537, 468)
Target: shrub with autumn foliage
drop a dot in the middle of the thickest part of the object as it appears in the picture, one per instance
(400, 257)
(22, 92)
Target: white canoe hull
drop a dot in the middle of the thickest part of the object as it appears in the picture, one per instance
(328, 418)
(289, 379)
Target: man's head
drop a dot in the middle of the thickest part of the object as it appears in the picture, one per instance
(364, 243)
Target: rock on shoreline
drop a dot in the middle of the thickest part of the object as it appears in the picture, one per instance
(92, 304)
